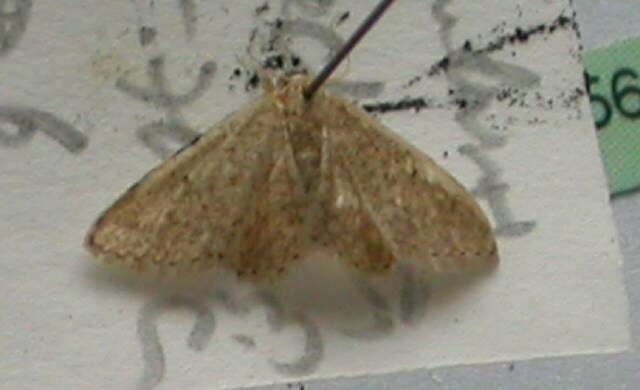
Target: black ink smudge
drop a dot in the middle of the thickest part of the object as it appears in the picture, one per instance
(262, 8)
(416, 104)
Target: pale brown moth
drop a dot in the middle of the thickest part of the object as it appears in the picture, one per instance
(295, 170)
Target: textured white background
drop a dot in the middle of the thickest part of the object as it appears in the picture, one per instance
(64, 330)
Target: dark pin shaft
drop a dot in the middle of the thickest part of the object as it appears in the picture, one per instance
(365, 26)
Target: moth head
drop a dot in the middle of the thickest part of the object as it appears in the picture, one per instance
(288, 93)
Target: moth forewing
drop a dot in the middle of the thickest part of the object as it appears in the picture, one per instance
(421, 212)
(183, 213)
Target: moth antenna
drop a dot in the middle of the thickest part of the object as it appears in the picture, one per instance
(360, 32)
(266, 80)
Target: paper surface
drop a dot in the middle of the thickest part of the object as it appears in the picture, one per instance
(86, 108)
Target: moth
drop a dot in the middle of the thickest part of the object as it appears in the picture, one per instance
(296, 170)
(286, 175)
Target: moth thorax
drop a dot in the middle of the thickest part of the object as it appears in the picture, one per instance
(307, 153)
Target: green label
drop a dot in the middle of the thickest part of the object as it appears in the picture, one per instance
(613, 83)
